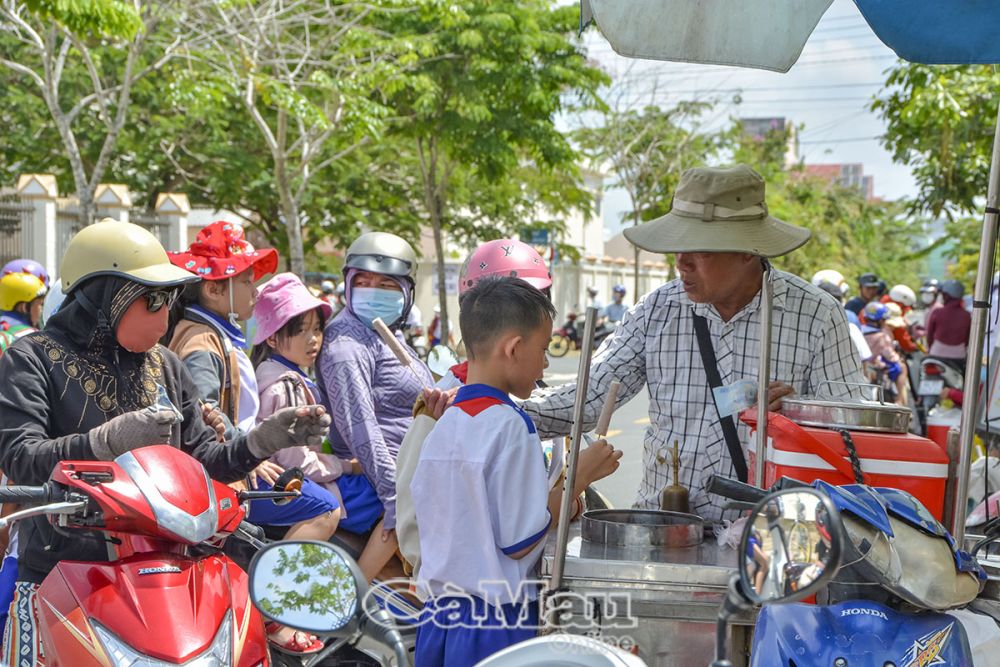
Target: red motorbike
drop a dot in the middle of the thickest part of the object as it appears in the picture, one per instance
(167, 595)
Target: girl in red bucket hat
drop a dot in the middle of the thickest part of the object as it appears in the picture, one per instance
(208, 337)
(209, 341)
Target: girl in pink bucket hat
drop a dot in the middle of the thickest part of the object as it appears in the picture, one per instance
(290, 323)
(289, 333)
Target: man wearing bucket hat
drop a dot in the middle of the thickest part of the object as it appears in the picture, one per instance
(694, 342)
(95, 384)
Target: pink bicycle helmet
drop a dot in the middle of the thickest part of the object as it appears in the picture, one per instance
(505, 257)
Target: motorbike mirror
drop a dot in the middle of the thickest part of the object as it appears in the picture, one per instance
(309, 586)
(440, 359)
(791, 546)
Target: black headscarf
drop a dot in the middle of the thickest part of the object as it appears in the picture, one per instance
(85, 323)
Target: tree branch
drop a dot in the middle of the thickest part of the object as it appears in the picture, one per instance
(95, 80)
(11, 11)
(22, 69)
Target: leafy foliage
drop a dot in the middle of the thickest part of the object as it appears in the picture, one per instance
(940, 121)
(99, 17)
(850, 234)
(486, 81)
(648, 149)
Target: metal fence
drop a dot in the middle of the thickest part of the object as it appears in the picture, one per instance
(67, 225)
(15, 228)
(159, 228)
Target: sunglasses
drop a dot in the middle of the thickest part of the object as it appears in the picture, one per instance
(157, 299)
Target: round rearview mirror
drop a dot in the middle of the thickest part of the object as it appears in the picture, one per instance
(791, 546)
(310, 586)
(440, 359)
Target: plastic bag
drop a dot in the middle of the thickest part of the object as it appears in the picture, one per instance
(163, 403)
(728, 533)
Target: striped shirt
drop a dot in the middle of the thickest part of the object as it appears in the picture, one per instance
(655, 345)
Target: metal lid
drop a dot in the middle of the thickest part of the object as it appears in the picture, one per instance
(853, 415)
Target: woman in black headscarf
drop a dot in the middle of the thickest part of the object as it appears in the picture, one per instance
(92, 385)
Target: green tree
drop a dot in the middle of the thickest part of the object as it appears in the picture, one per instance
(940, 121)
(306, 73)
(647, 150)
(82, 60)
(850, 233)
(487, 80)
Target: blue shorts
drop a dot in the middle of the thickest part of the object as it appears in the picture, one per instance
(8, 582)
(364, 509)
(315, 500)
(462, 631)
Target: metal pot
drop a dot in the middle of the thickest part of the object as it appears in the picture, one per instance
(642, 528)
(850, 415)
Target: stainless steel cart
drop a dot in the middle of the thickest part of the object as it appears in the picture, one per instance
(663, 600)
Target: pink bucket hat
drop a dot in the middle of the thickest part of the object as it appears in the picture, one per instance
(280, 299)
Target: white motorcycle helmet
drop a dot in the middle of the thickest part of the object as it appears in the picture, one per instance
(832, 277)
(53, 300)
(903, 295)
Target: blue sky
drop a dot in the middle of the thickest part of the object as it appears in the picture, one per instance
(840, 70)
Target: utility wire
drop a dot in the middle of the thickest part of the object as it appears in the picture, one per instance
(841, 141)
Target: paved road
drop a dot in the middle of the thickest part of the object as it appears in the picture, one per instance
(628, 427)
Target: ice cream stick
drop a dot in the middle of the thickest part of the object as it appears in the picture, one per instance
(397, 348)
(609, 407)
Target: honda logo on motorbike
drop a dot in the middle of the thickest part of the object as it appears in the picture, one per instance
(163, 569)
(861, 611)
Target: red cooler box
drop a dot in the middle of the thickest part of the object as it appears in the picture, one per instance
(897, 460)
(939, 422)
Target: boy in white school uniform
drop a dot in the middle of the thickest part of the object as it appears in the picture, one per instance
(480, 490)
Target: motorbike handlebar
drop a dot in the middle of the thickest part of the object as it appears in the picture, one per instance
(20, 495)
(253, 530)
(734, 489)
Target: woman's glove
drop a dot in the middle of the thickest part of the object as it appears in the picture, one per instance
(289, 427)
(132, 430)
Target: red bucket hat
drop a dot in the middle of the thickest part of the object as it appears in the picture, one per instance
(221, 251)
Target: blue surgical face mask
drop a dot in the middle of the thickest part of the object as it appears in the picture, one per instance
(368, 303)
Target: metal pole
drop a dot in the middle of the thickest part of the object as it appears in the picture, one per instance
(980, 308)
(952, 450)
(576, 435)
(763, 375)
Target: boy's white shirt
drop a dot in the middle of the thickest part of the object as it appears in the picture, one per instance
(495, 461)
(407, 533)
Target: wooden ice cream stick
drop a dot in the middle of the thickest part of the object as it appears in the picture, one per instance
(397, 348)
(609, 407)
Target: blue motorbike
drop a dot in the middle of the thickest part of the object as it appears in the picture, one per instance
(882, 569)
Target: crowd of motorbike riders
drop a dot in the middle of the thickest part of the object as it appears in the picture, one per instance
(140, 346)
(894, 330)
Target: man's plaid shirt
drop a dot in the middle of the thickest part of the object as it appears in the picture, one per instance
(656, 345)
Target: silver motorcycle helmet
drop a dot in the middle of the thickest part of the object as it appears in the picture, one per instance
(388, 255)
(381, 252)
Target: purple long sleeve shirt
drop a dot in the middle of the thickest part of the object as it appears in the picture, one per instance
(370, 396)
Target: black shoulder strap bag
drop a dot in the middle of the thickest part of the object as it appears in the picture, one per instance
(715, 380)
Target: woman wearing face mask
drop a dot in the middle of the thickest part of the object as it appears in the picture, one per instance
(88, 387)
(370, 394)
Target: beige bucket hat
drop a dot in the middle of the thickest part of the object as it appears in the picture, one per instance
(719, 210)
